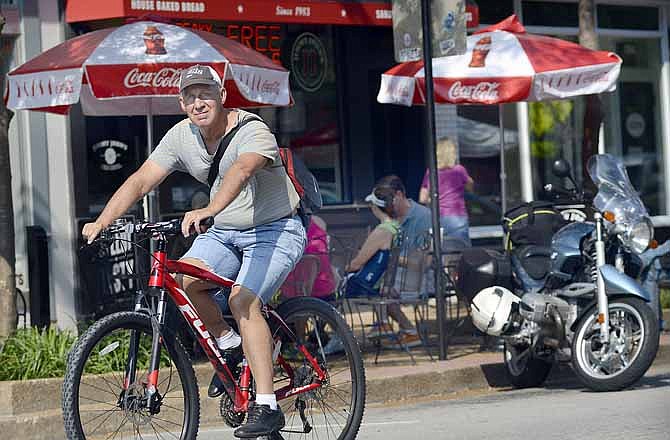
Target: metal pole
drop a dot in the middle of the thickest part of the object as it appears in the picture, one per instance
(503, 175)
(150, 200)
(432, 166)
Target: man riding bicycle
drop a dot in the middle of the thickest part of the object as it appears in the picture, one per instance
(256, 239)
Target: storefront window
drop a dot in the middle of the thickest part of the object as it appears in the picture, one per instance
(628, 17)
(556, 129)
(633, 122)
(310, 126)
(493, 11)
(115, 146)
(479, 147)
(562, 14)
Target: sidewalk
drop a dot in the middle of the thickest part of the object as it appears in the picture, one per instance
(466, 368)
(30, 410)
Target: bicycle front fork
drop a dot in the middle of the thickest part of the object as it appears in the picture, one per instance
(157, 317)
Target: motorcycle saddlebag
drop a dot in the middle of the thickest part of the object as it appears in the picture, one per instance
(532, 223)
(480, 268)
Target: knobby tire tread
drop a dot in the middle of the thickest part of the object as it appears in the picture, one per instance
(81, 350)
(352, 349)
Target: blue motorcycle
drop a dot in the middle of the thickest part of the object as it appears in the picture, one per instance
(565, 291)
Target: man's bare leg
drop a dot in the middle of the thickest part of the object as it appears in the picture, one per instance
(256, 337)
(264, 416)
(207, 308)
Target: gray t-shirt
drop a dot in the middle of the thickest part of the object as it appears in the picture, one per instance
(267, 196)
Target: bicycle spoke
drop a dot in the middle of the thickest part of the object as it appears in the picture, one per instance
(103, 421)
(164, 429)
(102, 390)
(99, 414)
(329, 408)
(123, 423)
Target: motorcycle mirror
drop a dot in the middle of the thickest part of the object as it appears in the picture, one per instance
(561, 168)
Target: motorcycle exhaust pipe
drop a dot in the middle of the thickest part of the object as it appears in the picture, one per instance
(553, 331)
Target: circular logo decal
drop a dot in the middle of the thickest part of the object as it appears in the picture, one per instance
(110, 154)
(309, 62)
(635, 125)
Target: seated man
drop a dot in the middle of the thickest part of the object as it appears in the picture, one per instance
(370, 263)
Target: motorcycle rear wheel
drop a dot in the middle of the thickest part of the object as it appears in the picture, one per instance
(527, 371)
(634, 337)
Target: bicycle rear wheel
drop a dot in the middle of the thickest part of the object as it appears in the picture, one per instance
(97, 405)
(335, 409)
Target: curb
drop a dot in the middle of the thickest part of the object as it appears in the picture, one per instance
(30, 410)
(482, 377)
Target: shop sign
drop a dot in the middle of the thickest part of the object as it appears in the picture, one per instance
(263, 38)
(353, 12)
(309, 62)
(110, 155)
(168, 6)
(448, 29)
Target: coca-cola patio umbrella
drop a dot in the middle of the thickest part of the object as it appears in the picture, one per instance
(505, 64)
(134, 69)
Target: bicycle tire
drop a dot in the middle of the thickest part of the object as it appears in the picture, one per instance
(82, 352)
(291, 312)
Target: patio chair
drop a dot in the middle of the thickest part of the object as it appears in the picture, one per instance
(456, 307)
(401, 285)
(301, 280)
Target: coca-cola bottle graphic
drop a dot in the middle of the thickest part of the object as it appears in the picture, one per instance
(480, 52)
(154, 41)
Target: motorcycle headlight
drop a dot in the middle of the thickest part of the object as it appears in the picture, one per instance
(638, 236)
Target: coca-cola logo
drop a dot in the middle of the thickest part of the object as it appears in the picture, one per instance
(481, 92)
(167, 77)
(255, 82)
(571, 81)
(39, 87)
(270, 87)
(398, 91)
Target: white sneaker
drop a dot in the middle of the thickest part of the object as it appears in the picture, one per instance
(335, 345)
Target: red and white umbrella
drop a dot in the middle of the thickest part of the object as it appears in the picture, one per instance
(134, 69)
(503, 64)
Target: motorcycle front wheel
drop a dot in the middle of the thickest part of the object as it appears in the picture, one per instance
(632, 345)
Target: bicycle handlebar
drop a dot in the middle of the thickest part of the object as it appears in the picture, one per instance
(170, 227)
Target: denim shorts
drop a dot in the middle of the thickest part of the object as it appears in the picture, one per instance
(258, 258)
(456, 226)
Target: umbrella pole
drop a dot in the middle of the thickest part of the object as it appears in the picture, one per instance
(432, 166)
(150, 205)
(503, 175)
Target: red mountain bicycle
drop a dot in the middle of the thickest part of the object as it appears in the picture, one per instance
(129, 375)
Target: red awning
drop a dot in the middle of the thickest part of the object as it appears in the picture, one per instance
(276, 11)
(352, 12)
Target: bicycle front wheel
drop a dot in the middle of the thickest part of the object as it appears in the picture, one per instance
(335, 409)
(97, 404)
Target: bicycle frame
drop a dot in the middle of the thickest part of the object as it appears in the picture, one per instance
(161, 280)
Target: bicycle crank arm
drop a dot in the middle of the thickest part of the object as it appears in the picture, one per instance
(273, 436)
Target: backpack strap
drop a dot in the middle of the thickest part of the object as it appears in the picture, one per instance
(223, 145)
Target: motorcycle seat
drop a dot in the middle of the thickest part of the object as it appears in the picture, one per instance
(535, 260)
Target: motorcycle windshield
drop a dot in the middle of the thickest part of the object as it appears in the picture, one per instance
(615, 192)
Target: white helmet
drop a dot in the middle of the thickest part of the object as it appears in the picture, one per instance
(491, 308)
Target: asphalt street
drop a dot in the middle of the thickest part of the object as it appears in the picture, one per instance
(561, 410)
